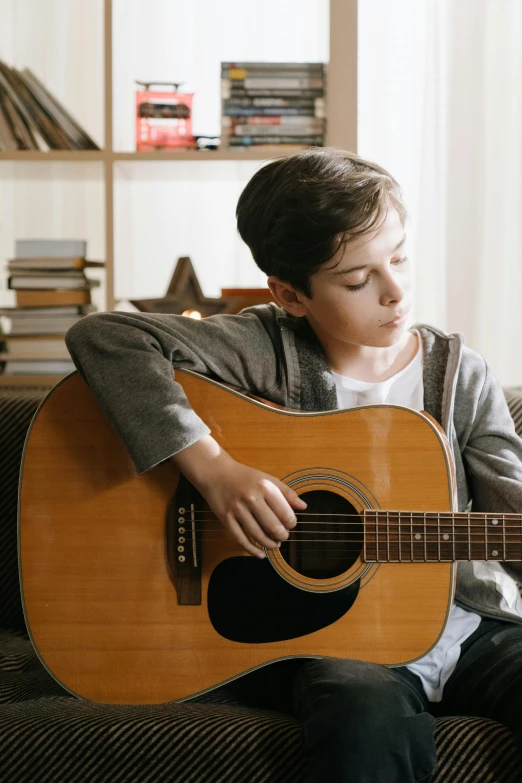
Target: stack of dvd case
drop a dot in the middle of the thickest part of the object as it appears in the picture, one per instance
(273, 105)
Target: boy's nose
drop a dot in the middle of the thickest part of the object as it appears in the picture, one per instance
(393, 292)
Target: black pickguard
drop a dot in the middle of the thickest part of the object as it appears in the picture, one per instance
(249, 602)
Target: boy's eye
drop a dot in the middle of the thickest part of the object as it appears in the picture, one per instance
(358, 287)
(365, 283)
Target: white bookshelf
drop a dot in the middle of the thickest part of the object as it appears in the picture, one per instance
(103, 189)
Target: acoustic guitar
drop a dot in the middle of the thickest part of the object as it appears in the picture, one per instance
(134, 593)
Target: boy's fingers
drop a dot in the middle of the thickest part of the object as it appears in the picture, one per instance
(243, 540)
(266, 512)
(281, 501)
(254, 529)
(291, 496)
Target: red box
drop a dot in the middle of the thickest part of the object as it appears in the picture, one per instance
(163, 120)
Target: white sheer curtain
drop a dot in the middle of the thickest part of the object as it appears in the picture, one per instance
(440, 86)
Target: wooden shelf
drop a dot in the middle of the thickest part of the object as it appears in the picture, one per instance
(30, 380)
(110, 156)
(55, 155)
(184, 155)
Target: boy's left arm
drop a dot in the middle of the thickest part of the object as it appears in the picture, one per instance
(493, 457)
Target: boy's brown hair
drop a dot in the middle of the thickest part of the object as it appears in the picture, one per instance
(298, 210)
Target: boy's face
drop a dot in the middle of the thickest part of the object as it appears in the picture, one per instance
(358, 292)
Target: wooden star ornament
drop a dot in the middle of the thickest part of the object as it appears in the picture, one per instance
(185, 297)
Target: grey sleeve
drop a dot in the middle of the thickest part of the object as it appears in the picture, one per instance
(493, 456)
(128, 360)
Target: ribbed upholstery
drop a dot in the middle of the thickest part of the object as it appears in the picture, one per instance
(17, 408)
(48, 735)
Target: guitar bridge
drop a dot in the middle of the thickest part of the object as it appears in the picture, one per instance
(184, 542)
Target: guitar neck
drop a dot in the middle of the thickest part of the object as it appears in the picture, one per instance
(421, 537)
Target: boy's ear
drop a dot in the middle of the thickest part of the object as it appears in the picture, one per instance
(287, 296)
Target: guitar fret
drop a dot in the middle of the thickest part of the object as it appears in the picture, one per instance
(433, 536)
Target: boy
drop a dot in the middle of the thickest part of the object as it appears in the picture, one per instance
(328, 230)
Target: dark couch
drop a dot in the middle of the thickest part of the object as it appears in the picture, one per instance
(49, 735)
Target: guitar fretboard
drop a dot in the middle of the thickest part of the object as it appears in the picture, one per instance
(404, 536)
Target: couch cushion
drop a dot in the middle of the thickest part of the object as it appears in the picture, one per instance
(49, 735)
(17, 407)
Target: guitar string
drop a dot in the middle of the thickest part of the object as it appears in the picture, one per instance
(335, 541)
(404, 540)
(511, 538)
(405, 556)
(459, 529)
(216, 535)
(382, 525)
(203, 518)
(432, 554)
(460, 515)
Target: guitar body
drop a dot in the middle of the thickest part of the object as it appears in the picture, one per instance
(123, 608)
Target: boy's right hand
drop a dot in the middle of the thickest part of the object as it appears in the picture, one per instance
(252, 505)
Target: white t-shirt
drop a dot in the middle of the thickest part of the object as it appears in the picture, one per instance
(406, 388)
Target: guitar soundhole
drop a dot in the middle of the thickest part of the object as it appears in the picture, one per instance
(328, 537)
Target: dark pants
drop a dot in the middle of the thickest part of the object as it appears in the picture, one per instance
(365, 723)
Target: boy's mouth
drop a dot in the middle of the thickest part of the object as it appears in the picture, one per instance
(396, 321)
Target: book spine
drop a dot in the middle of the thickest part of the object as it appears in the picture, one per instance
(272, 149)
(50, 265)
(25, 122)
(238, 90)
(53, 137)
(32, 298)
(72, 269)
(7, 137)
(19, 283)
(267, 111)
(277, 120)
(272, 103)
(47, 248)
(259, 130)
(240, 74)
(268, 66)
(246, 141)
(283, 84)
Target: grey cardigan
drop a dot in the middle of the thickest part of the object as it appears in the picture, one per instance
(128, 358)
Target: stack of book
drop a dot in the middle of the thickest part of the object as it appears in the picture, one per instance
(32, 119)
(52, 293)
(280, 105)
